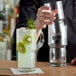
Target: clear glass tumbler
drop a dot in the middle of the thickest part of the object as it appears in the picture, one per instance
(26, 47)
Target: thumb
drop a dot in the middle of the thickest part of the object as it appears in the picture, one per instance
(55, 12)
(73, 61)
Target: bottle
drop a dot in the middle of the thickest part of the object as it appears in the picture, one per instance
(3, 43)
(5, 17)
(57, 37)
(1, 10)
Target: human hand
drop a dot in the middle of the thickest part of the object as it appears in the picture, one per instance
(73, 61)
(44, 17)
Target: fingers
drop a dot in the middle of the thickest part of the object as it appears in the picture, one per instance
(44, 8)
(73, 62)
(45, 17)
(46, 14)
(55, 11)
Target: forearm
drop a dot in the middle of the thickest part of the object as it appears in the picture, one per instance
(38, 30)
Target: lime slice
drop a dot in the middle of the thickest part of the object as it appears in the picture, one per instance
(21, 47)
(27, 39)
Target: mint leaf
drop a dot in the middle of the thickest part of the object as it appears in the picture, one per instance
(30, 24)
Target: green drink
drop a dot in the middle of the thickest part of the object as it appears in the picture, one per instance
(26, 47)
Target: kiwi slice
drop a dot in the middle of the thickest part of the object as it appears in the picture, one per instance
(21, 47)
(27, 39)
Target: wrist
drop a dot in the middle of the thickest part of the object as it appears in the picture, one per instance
(38, 30)
(37, 25)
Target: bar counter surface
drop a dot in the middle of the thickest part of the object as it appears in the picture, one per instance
(69, 70)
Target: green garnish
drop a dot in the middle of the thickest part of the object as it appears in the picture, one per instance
(21, 47)
(27, 39)
(30, 24)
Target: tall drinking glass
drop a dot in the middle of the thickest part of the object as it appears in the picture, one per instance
(26, 47)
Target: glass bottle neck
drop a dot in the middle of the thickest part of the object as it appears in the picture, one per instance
(1, 26)
(1, 5)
